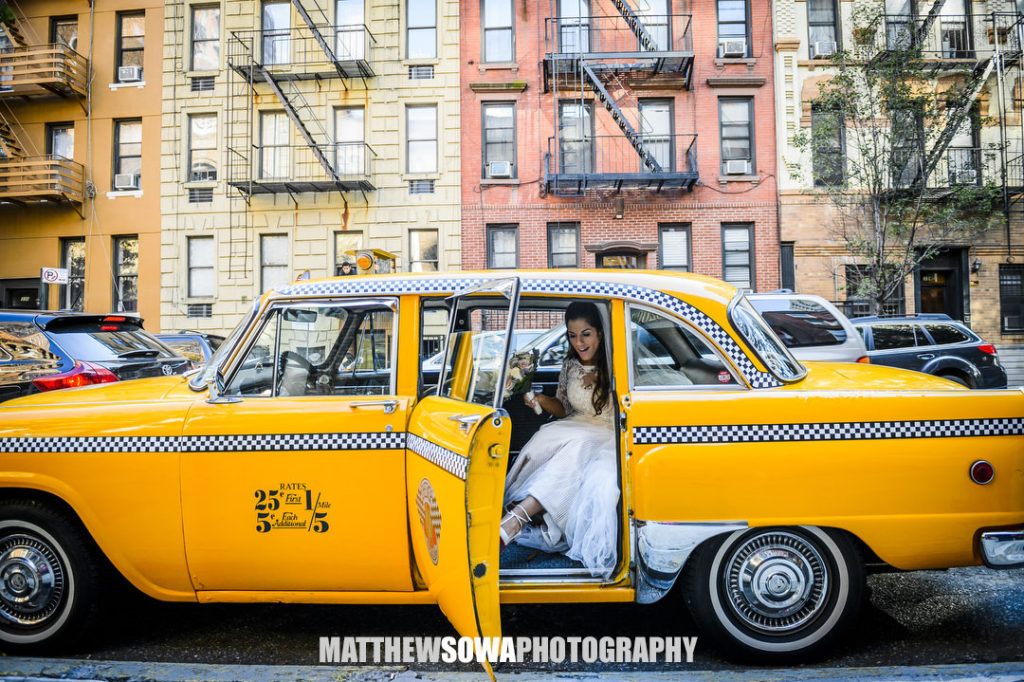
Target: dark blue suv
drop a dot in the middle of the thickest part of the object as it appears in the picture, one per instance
(933, 344)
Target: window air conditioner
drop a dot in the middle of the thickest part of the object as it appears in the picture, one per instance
(733, 48)
(126, 181)
(822, 49)
(129, 74)
(499, 169)
(965, 176)
(737, 167)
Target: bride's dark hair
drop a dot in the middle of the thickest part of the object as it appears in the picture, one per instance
(588, 312)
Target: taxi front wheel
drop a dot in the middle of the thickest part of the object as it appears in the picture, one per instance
(48, 576)
(775, 594)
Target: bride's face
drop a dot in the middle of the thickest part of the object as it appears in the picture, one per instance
(585, 339)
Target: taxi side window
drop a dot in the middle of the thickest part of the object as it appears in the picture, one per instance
(320, 349)
(666, 353)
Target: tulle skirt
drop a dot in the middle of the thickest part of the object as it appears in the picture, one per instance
(569, 467)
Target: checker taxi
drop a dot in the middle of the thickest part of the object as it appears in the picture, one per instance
(316, 459)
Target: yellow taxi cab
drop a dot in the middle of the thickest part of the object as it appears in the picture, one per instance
(315, 459)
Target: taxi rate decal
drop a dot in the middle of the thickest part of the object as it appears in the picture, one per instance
(291, 506)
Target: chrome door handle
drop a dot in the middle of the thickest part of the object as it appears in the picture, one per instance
(388, 405)
(926, 356)
(465, 420)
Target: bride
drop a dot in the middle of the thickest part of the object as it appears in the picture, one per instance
(561, 492)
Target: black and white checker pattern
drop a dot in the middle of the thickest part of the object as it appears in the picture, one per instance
(761, 433)
(368, 440)
(449, 460)
(398, 286)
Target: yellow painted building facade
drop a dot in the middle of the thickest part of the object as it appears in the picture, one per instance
(79, 160)
(295, 133)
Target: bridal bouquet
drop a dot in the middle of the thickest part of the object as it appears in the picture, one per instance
(521, 368)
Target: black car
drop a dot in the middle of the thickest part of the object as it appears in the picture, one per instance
(934, 344)
(43, 351)
(195, 345)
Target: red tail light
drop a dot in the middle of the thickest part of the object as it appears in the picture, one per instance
(987, 348)
(82, 374)
(113, 318)
(864, 360)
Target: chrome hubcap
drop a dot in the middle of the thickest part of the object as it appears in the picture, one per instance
(32, 580)
(776, 582)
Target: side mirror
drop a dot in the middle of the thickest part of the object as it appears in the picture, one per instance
(216, 388)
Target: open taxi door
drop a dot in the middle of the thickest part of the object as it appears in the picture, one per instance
(456, 459)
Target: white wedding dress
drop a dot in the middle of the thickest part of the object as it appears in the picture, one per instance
(569, 466)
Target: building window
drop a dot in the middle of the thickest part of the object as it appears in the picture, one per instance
(828, 148)
(205, 37)
(624, 260)
(64, 31)
(733, 29)
(656, 132)
(738, 255)
(1011, 297)
(822, 26)
(200, 267)
(563, 245)
(576, 137)
(656, 16)
(674, 246)
(349, 41)
(350, 152)
(202, 147)
(131, 35)
(421, 138)
(277, 24)
(423, 251)
(908, 145)
(126, 274)
(857, 305)
(736, 121)
(128, 154)
(345, 245)
(499, 34)
(421, 29)
(60, 140)
(274, 156)
(273, 261)
(574, 25)
(499, 124)
(502, 246)
(72, 259)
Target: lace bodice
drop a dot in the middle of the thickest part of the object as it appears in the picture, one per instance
(575, 397)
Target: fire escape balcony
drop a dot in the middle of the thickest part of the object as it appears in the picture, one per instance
(294, 169)
(654, 44)
(299, 53)
(951, 39)
(38, 179)
(43, 70)
(572, 166)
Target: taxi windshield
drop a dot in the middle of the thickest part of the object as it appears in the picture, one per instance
(763, 341)
(208, 373)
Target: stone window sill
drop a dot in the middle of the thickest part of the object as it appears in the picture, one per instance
(136, 193)
(131, 84)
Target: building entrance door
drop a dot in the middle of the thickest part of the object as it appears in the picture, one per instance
(940, 283)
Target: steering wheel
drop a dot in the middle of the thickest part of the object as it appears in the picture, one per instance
(290, 360)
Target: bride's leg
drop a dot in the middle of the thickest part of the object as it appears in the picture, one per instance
(517, 517)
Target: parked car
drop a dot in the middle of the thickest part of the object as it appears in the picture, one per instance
(811, 327)
(197, 346)
(765, 487)
(933, 344)
(520, 339)
(43, 351)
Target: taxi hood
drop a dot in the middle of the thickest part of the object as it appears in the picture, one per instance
(135, 390)
(854, 375)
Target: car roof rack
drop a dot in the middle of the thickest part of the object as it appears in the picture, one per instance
(897, 318)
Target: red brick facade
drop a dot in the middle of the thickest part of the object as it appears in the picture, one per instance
(714, 200)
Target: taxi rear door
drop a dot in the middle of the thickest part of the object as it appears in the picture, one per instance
(456, 457)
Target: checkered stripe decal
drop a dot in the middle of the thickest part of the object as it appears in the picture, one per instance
(760, 433)
(719, 335)
(450, 461)
(370, 440)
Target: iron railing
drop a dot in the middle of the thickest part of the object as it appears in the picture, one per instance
(613, 36)
(53, 69)
(610, 160)
(296, 51)
(296, 168)
(41, 178)
(951, 37)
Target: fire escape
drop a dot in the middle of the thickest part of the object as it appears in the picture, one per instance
(27, 72)
(605, 58)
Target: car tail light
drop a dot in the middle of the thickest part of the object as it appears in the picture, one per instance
(113, 318)
(982, 472)
(82, 374)
(864, 360)
(987, 348)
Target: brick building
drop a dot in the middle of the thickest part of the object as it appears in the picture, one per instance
(633, 134)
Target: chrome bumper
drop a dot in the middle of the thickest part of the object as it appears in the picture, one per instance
(1003, 548)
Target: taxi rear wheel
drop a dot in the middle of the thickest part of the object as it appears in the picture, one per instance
(48, 576)
(775, 594)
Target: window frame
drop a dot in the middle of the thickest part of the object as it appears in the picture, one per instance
(837, 33)
(278, 56)
(413, 261)
(484, 29)
(53, 127)
(751, 259)
(120, 49)
(484, 143)
(118, 157)
(193, 41)
(746, 29)
(588, 141)
(191, 148)
(670, 134)
(54, 34)
(263, 250)
(119, 275)
(669, 227)
(189, 267)
(287, 163)
(749, 100)
(339, 256)
(1010, 268)
(360, 165)
(64, 291)
(560, 224)
(491, 229)
(839, 150)
(409, 139)
(409, 28)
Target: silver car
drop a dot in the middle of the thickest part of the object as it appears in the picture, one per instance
(811, 327)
